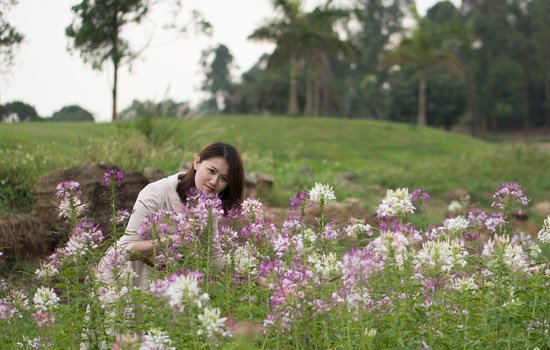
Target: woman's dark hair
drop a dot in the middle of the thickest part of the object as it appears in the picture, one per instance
(233, 193)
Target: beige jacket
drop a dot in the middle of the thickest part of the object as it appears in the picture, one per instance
(159, 195)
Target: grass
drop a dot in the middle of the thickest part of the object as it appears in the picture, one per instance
(298, 152)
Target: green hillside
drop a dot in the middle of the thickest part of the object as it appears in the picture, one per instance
(297, 152)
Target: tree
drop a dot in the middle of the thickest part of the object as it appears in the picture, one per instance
(445, 97)
(24, 111)
(217, 63)
(72, 113)
(296, 35)
(164, 109)
(380, 25)
(424, 50)
(10, 38)
(96, 32)
(538, 10)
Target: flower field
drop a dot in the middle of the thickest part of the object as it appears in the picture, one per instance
(471, 282)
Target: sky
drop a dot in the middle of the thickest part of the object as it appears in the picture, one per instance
(47, 76)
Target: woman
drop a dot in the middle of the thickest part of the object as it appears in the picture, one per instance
(218, 168)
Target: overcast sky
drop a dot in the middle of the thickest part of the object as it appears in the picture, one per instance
(48, 77)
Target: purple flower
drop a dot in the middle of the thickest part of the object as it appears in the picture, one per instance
(267, 266)
(477, 216)
(471, 236)
(506, 193)
(43, 318)
(298, 200)
(68, 189)
(70, 202)
(419, 195)
(495, 222)
(112, 176)
(121, 216)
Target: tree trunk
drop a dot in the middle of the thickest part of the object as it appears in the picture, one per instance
(526, 102)
(547, 102)
(316, 96)
(325, 94)
(293, 109)
(115, 84)
(115, 58)
(422, 100)
(308, 109)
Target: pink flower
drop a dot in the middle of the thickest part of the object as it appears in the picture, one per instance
(43, 318)
(507, 193)
(112, 176)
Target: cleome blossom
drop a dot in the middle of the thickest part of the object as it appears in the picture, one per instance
(211, 324)
(457, 224)
(544, 233)
(112, 176)
(45, 299)
(252, 208)
(396, 203)
(326, 265)
(500, 250)
(155, 339)
(507, 193)
(69, 194)
(181, 290)
(442, 255)
(321, 193)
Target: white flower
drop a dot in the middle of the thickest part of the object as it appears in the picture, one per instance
(544, 233)
(321, 192)
(464, 283)
(308, 236)
(46, 271)
(30, 343)
(512, 255)
(396, 203)
(252, 207)
(515, 258)
(155, 339)
(455, 206)
(45, 299)
(443, 255)
(211, 323)
(325, 265)
(244, 259)
(185, 289)
(370, 332)
(394, 242)
(456, 225)
(358, 227)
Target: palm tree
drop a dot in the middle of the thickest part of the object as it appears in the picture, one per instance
(297, 36)
(425, 49)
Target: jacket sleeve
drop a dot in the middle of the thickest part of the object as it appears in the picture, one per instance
(218, 260)
(147, 203)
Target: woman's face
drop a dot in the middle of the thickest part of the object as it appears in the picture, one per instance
(212, 174)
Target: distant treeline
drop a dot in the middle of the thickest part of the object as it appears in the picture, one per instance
(485, 64)
(18, 111)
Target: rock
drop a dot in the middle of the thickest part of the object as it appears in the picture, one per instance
(94, 194)
(456, 194)
(541, 209)
(153, 174)
(348, 180)
(23, 236)
(185, 166)
(257, 184)
(520, 215)
(339, 212)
